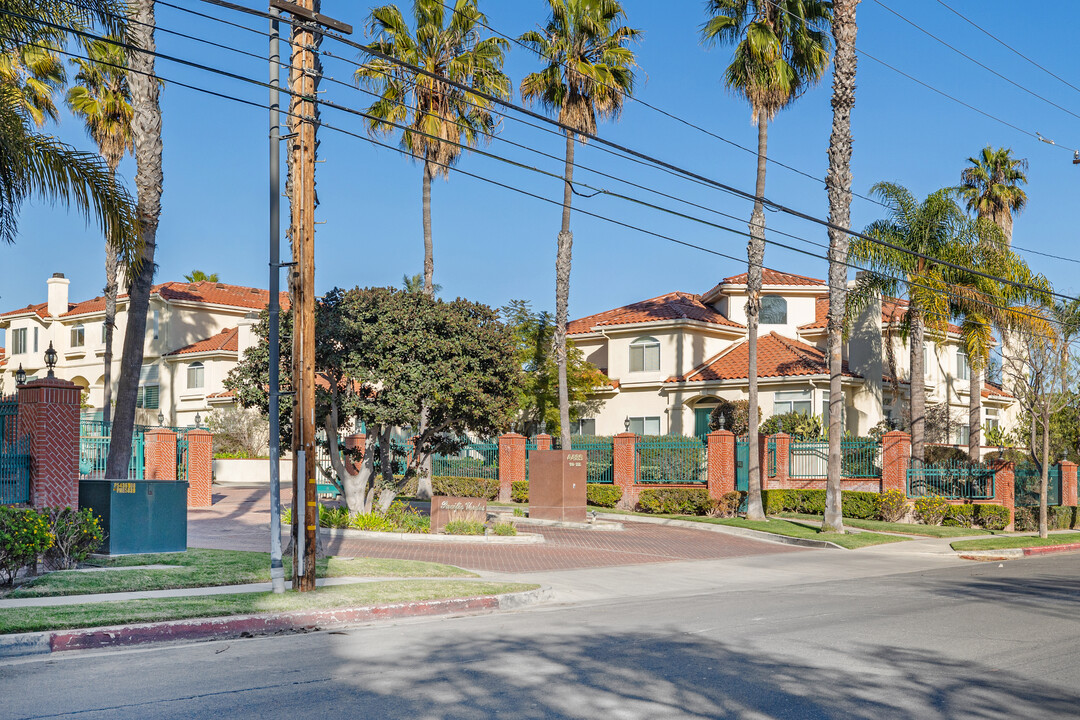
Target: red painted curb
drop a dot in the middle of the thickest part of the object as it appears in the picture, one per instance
(1047, 549)
(248, 625)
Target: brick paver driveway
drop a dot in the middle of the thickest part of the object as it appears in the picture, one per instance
(240, 517)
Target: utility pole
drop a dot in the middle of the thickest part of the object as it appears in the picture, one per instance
(304, 77)
(277, 570)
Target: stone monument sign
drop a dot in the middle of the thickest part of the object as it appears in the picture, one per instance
(557, 485)
(445, 508)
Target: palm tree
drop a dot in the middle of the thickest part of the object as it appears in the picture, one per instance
(838, 181)
(781, 47)
(199, 276)
(146, 134)
(589, 73)
(991, 187)
(935, 228)
(435, 118)
(37, 72)
(102, 98)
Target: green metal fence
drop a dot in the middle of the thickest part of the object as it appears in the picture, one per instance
(475, 460)
(15, 471)
(94, 439)
(1027, 480)
(957, 481)
(670, 459)
(182, 457)
(810, 459)
(599, 458)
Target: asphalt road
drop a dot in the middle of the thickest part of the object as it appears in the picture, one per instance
(946, 641)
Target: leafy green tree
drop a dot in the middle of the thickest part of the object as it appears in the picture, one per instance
(199, 276)
(589, 72)
(102, 98)
(538, 398)
(438, 117)
(781, 48)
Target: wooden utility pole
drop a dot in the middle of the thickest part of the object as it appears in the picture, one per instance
(303, 81)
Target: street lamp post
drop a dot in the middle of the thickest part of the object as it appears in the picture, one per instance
(50, 359)
(20, 376)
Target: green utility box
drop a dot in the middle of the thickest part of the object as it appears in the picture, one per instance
(138, 516)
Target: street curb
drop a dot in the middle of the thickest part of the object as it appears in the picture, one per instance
(345, 533)
(729, 530)
(246, 626)
(603, 527)
(1016, 553)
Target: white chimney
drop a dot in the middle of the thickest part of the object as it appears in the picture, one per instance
(245, 336)
(58, 294)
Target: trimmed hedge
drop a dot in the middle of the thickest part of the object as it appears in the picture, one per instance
(465, 487)
(992, 517)
(675, 501)
(519, 491)
(601, 495)
(860, 505)
(1057, 518)
(959, 516)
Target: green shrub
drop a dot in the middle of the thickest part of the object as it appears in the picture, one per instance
(810, 502)
(24, 534)
(1060, 518)
(76, 534)
(519, 491)
(776, 501)
(943, 454)
(959, 516)
(795, 424)
(286, 516)
(504, 529)
(861, 505)
(465, 487)
(992, 517)
(1026, 519)
(607, 496)
(336, 517)
(407, 518)
(892, 505)
(931, 510)
(372, 521)
(728, 505)
(464, 527)
(675, 501)
(518, 512)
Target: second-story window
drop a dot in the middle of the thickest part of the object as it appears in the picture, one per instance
(157, 324)
(18, 341)
(963, 368)
(645, 355)
(78, 336)
(773, 310)
(149, 389)
(196, 376)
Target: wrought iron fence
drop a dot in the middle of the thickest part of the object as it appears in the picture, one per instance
(95, 437)
(956, 481)
(670, 459)
(1028, 479)
(474, 460)
(858, 458)
(14, 471)
(599, 457)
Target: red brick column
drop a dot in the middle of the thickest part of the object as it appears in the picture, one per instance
(1005, 488)
(200, 467)
(159, 455)
(895, 460)
(1068, 483)
(354, 442)
(511, 464)
(49, 415)
(543, 442)
(721, 459)
(783, 459)
(623, 451)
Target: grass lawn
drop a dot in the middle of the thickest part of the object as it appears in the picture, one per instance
(15, 620)
(1014, 541)
(937, 531)
(200, 567)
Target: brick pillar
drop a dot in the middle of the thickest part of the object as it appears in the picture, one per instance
(543, 442)
(721, 459)
(1005, 488)
(159, 454)
(354, 442)
(200, 467)
(783, 459)
(895, 460)
(623, 451)
(1068, 483)
(511, 464)
(49, 415)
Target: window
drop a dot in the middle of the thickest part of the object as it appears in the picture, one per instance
(196, 376)
(963, 433)
(584, 426)
(927, 356)
(645, 425)
(35, 339)
(645, 355)
(78, 336)
(798, 401)
(103, 328)
(773, 310)
(992, 418)
(18, 341)
(825, 396)
(157, 323)
(963, 368)
(149, 392)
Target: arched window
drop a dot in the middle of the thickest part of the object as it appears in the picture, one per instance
(196, 376)
(645, 355)
(773, 310)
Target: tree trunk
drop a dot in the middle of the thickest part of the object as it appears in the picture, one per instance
(562, 293)
(917, 387)
(111, 291)
(146, 133)
(1044, 475)
(838, 181)
(755, 256)
(429, 251)
(974, 413)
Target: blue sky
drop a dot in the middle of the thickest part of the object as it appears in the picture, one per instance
(494, 245)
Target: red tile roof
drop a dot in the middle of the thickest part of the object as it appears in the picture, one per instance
(775, 277)
(200, 292)
(41, 309)
(226, 394)
(226, 341)
(672, 306)
(778, 356)
(892, 310)
(821, 315)
(990, 389)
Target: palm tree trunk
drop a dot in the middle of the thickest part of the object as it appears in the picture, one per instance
(429, 252)
(917, 387)
(839, 190)
(111, 291)
(755, 256)
(974, 413)
(146, 133)
(562, 292)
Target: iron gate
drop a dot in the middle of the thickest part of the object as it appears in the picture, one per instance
(14, 457)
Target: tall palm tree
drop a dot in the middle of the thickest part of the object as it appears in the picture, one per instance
(102, 98)
(37, 72)
(589, 73)
(435, 118)
(146, 134)
(199, 276)
(838, 181)
(935, 228)
(781, 47)
(991, 187)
